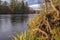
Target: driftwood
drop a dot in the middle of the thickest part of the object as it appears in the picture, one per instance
(46, 29)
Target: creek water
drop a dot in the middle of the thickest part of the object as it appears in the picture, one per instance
(9, 24)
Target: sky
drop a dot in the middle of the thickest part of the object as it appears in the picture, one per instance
(33, 2)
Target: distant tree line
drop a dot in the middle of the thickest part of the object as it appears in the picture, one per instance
(14, 7)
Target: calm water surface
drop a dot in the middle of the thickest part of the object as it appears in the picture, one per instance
(9, 24)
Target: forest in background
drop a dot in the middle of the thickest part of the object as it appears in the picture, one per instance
(14, 7)
(46, 26)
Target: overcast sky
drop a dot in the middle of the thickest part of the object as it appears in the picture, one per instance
(32, 2)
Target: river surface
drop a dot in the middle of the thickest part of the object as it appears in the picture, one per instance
(9, 24)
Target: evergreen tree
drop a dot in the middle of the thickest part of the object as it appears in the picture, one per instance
(0, 5)
(24, 7)
(5, 3)
(12, 5)
(0, 2)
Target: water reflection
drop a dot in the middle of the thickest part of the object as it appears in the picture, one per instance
(9, 24)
